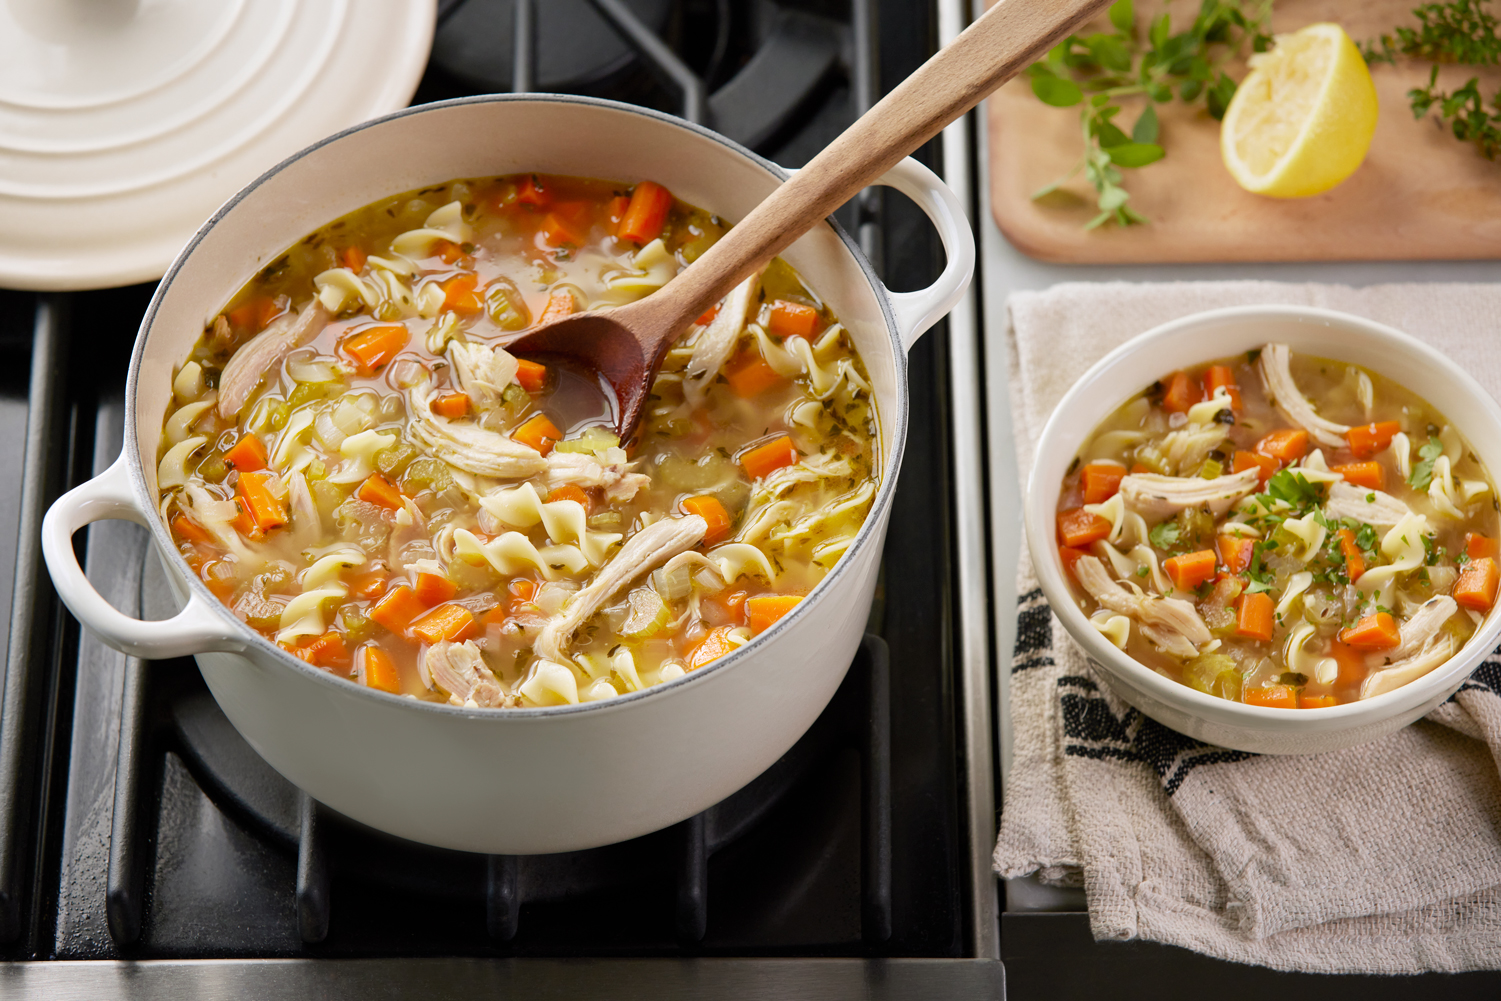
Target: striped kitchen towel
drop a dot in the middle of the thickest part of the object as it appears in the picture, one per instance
(1383, 858)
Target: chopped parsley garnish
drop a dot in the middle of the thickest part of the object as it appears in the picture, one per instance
(1370, 498)
(1422, 470)
(1143, 571)
(1292, 487)
(1165, 535)
(1365, 538)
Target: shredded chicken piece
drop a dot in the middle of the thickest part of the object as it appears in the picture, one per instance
(469, 446)
(608, 471)
(459, 670)
(483, 372)
(646, 550)
(1171, 623)
(1423, 624)
(1277, 376)
(264, 352)
(1403, 671)
(717, 341)
(1381, 510)
(1155, 496)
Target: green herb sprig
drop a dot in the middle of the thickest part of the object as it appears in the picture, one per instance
(1109, 66)
(1422, 470)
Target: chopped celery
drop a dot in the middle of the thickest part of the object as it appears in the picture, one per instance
(1211, 469)
(648, 614)
(213, 469)
(426, 474)
(1214, 674)
(270, 414)
(506, 306)
(592, 440)
(306, 392)
(394, 460)
(357, 625)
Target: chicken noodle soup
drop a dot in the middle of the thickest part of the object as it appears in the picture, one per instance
(357, 467)
(1282, 531)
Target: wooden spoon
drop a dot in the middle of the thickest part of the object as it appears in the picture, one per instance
(626, 344)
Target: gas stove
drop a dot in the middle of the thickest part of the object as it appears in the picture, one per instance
(146, 850)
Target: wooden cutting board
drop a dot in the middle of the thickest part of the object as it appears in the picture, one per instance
(1420, 194)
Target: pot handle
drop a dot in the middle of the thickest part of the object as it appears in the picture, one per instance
(196, 629)
(917, 311)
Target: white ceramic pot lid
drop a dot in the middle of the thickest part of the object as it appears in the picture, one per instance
(125, 123)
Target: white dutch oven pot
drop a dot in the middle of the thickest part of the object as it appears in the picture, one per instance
(517, 781)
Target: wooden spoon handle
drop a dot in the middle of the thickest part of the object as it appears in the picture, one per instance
(1008, 37)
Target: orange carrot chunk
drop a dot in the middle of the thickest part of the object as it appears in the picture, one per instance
(1221, 377)
(792, 319)
(1354, 562)
(763, 611)
(1477, 546)
(244, 522)
(539, 433)
(768, 458)
(186, 528)
(374, 347)
(397, 609)
(446, 622)
(368, 585)
(434, 589)
(1274, 696)
(248, 454)
(447, 251)
(459, 295)
(1367, 440)
(262, 504)
(708, 507)
(1254, 617)
(1077, 528)
(1179, 393)
(617, 209)
(451, 405)
(378, 490)
(568, 222)
(1352, 664)
(1100, 481)
(749, 375)
(1070, 556)
(1367, 474)
(1190, 570)
(1374, 632)
(327, 650)
(570, 492)
(1317, 701)
(707, 316)
(1248, 460)
(1236, 552)
(1476, 587)
(1284, 444)
(352, 258)
(645, 215)
(531, 192)
(715, 644)
(380, 670)
(560, 303)
(531, 375)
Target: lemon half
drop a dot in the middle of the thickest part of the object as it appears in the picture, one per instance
(1302, 120)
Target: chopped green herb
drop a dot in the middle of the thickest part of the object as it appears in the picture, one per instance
(1143, 571)
(1422, 470)
(1165, 535)
(1292, 487)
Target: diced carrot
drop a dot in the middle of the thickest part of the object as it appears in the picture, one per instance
(1070, 556)
(1476, 587)
(1254, 617)
(1077, 528)
(262, 504)
(766, 459)
(378, 490)
(451, 405)
(571, 493)
(568, 222)
(244, 522)
(1374, 632)
(532, 375)
(1248, 460)
(1179, 393)
(222, 587)
(523, 591)
(707, 316)
(539, 433)
(397, 609)
(1352, 664)
(374, 347)
(1100, 481)
(617, 209)
(1367, 474)
(531, 192)
(1368, 439)
(1221, 377)
(725, 607)
(1137, 468)
(1189, 570)
(763, 611)
(187, 528)
(749, 375)
(368, 585)
(247, 455)
(434, 589)
(708, 507)
(1272, 696)
(1317, 701)
(253, 315)
(353, 258)
(1236, 552)
(447, 251)
(792, 319)
(645, 215)
(1477, 546)
(327, 650)
(446, 622)
(380, 670)
(459, 295)
(560, 303)
(1354, 561)
(715, 644)
(1284, 444)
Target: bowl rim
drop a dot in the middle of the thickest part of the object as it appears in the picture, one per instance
(880, 504)
(1039, 518)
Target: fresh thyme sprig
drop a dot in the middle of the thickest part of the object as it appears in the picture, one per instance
(1109, 66)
